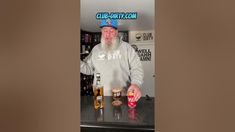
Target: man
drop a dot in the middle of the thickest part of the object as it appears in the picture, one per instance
(116, 61)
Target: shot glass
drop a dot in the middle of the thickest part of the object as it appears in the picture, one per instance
(130, 98)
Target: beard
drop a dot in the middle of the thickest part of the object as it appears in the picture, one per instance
(110, 46)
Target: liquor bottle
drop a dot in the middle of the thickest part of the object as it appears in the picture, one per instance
(98, 93)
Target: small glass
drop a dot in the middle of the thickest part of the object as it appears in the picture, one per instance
(130, 97)
(117, 94)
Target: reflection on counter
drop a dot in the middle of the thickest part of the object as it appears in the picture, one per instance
(132, 115)
(117, 112)
(114, 118)
(99, 115)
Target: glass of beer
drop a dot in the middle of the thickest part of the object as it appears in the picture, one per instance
(117, 94)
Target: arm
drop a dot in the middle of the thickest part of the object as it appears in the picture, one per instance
(136, 68)
(136, 73)
(86, 66)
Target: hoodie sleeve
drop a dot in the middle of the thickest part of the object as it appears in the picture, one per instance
(86, 66)
(136, 68)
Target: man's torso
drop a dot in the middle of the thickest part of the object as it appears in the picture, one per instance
(113, 67)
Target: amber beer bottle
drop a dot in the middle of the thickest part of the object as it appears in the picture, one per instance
(98, 93)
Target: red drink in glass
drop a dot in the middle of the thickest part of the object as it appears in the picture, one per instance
(130, 98)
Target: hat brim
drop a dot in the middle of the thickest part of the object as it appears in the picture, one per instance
(108, 26)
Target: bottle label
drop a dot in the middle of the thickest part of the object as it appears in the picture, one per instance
(99, 98)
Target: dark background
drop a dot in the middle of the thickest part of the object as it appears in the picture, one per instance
(39, 66)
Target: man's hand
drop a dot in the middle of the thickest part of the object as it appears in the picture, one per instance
(136, 90)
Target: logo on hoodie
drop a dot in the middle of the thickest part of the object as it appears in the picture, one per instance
(109, 56)
(101, 56)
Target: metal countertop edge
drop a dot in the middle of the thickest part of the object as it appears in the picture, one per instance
(113, 127)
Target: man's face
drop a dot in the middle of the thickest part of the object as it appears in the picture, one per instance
(108, 34)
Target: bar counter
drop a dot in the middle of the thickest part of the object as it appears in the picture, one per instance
(117, 119)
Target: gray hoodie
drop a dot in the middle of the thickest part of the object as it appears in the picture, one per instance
(118, 68)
